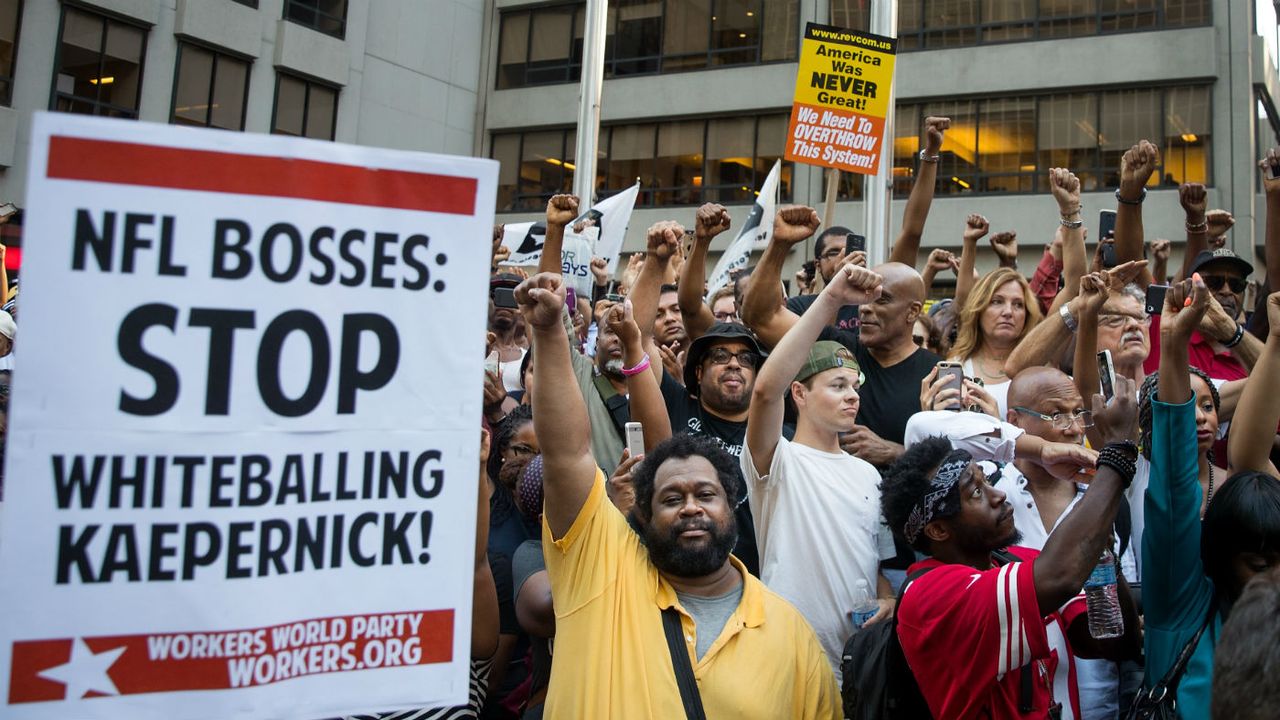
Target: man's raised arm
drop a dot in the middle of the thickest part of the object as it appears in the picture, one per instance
(763, 308)
(711, 220)
(663, 241)
(559, 412)
(907, 245)
(1136, 166)
(561, 210)
(1253, 428)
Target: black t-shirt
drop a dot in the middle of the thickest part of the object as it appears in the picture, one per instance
(846, 319)
(889, 395)
(688, 417)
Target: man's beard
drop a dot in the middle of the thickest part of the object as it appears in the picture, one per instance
(973, 540)
(613, 366)
(718, 401)
(673, 557)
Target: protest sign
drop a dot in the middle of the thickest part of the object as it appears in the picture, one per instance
(611, 217)
(841, 99)
(755, 233)
(243, 458)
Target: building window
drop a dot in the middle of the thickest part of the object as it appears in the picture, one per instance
(681, 162)
(98, 69)
(209, 88)
(304, 108)
(10, 21)
(934, 24)
(1007, 145)
(326, 16)
(544, 45)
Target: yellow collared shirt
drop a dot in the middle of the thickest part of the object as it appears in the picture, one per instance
(611, 658)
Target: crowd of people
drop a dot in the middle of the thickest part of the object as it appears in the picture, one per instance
(858, 470)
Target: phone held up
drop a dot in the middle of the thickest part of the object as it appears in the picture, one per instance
(635, 438)
(954, 373)
(854, 242)
(1155, 299)
(1106, 375)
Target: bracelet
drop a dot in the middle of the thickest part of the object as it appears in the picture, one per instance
(1122, 201)
(1127, 446)
(639, 368)
(1071, 224)
(1114, 457)
(929, 158)
(1067, 318)
(1198, 228)
(1235, 339)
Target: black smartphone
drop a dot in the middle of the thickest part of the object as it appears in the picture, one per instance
(1155, 298)
(1106, 375)
(1109, 255)
(504, 297)
(853, 242)
(615, 298)
(954, 372)
(1106, 223)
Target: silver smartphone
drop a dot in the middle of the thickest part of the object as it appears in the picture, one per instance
(1106, 375)
(635, 438)
(954, 373)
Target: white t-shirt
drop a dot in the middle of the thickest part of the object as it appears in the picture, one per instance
(819, 531)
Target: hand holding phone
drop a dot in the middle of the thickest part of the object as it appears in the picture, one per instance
(1106, 375)
(854, 243)
(954, 373)
(504, 298)
(635, 438)
(1155, 299)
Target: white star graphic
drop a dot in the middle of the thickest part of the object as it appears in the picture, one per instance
(86, 671)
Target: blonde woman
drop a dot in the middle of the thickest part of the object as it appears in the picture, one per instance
(998, 313)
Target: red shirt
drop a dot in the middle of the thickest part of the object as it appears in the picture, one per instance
(966, 633)
(1217, 365)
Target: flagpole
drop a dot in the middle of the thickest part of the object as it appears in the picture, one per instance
(584, 174)
(875, 188)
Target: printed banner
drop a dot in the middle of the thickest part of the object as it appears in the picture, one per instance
(754, 234)
(611, 215)
(242, 458)
(842, 97)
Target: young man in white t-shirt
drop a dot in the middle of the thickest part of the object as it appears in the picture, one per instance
(816, 508)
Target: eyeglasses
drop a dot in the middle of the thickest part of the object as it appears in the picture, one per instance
(1061, 420)
(832, 254)
(726, 317)
(1118, 320)
(1215, 283)
(720, 356)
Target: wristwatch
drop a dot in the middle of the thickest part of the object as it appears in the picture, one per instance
(1067, 318)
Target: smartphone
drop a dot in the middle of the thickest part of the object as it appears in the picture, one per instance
(1109, 255)
(635, 438)
(571, 301)
(954, 373)
(853, 242)
(504, 298)
(1106, 375)
(1272, 171)
(615, 298)
(1106, 223)
(7, 210)
(1155, 298)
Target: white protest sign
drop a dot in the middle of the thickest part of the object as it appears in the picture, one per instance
(611, 216)
(754, 234)
(243, 458)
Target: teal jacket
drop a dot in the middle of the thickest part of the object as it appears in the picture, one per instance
(1176, 594)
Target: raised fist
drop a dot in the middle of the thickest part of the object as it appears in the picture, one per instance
(934, 127)
(855, 285)
(663, 239)
(561, 210)
(1065, 187)
(1160, 250)
(1220, 221)
(1273, 313)
(1093, 293)
(975, 228)
(712, 219)
(1185, 315)
(1270, 180)
(1005, 245)
(1194, 202)
(600, 270)
(795, 223)
(1136, 167)
(942, 260)
(620, 322)
(541, 299)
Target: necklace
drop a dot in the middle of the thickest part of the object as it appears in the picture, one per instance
(1208, 496)
(999, 373)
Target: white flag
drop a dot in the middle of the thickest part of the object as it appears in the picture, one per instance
(611, 216)
(755, 232)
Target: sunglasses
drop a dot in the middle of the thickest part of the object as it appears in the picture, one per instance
(721, 356)
(1215, 283)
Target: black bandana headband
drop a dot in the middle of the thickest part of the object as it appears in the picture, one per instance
(941, 500)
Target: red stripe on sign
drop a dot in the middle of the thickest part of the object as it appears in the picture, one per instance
(226, 659)
(124, 163)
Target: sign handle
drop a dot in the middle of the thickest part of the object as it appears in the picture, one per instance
(833, 187)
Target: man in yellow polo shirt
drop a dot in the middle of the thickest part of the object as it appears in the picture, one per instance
(752, 654)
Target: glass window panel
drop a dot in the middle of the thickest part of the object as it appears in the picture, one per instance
(1008, 20)
(327, 16)
(1068, 18)
(1185, 154)
(1068, 136)
(735, 32)
(781, 30)
(506, 150)
(950, 23)
(513, 51)
(8, 43)
(322, 103)
(730, 165)
(771, 140)
(570, 153)
(637, 41)
(291, 101)
(1127, 117)
(549, 45)
(631, 156)
(1122, 15)
(99, 65)
(542, 163)
(229, 88)
(906, 144)
(855, 14)
(679, 162)
(191, 96)
(1007, 144)
(122, 63)
(1184, 13)
(910, 21)
(958, 166)
(685, 34)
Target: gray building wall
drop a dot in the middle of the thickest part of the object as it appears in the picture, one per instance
(1227, 53)
(408, 70)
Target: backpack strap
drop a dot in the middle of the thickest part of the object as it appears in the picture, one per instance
(680, 663)
(1026, 702)
(617, 404)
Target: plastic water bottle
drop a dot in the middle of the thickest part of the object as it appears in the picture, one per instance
(864, 604)
(1105, 620)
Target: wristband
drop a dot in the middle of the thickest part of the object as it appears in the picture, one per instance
(1122, 201)
(639, 368)
(1118, 459)
(1235, 339)
(929, 158)
(1071, 224)
(1198, 228)
(1067, 318)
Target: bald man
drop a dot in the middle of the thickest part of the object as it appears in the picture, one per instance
(891, 362)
